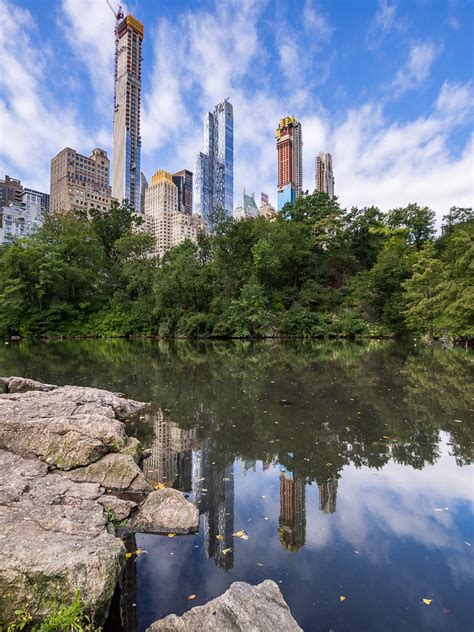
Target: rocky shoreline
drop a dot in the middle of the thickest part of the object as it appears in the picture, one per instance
(69, 475)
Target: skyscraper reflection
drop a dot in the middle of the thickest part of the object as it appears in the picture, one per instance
(292, 523)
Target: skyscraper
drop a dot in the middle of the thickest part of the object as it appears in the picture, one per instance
(324, 176)
(214, 172)
(143, 188)
(11, 191)
(184, 181)
(290, 160)
(79, 182)
(292, 523)
(247, 207)
(127, 141)
(163, 219)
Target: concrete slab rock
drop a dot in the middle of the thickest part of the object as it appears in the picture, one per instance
(53, 540)
(118, 472)
(166, 511)
(66, 427)
(242, 608)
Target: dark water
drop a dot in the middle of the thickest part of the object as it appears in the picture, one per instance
(347, 465)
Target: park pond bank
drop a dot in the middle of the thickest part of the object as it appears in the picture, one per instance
(339, 470)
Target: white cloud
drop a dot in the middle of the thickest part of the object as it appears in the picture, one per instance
(384, 22)
(88, 26)
(417, 68)
(316, 23)
(34, 127)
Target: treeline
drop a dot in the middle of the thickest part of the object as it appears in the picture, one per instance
(316, 270)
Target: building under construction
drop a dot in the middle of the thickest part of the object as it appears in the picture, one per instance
(127, 97)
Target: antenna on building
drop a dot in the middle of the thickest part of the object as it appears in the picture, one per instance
(119, 15)
(287, 107)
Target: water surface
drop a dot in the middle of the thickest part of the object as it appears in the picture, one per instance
(347, 465)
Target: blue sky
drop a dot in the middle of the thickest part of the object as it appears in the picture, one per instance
(386, 87)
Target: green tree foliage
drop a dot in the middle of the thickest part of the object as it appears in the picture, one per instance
(315, 270)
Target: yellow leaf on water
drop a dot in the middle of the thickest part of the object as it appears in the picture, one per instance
(225, 551)
(219, 537)
(191, 597)
(239, 534)
(171, 535)
(342, 598)
(427, 601)
(128, 555)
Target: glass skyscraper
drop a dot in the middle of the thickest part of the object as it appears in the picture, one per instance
(214, 170)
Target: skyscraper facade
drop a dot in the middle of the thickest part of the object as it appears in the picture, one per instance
(184, 181)
(324, 178)
(79, 182)
(290, 160)
(247, 207)
(163, 219)
(214, 170)
(11, 191)
(127, 140)
(30, 196)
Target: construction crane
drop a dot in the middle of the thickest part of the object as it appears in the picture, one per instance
(119, 15)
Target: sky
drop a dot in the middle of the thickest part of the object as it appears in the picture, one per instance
(385, 86)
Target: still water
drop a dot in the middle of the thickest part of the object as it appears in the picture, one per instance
(347, 465)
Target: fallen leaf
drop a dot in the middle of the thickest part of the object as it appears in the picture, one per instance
(259, 564)
(427, 601)
(385, 437)
(138, 552)
(459, 421)
(226, 478)
(191, 597)
(342, 598)
(204, 489)
(225, 551)
(219, 537)
(439, 509)
(128, 555)
(171, 535)
(159, 485)
(239, 534)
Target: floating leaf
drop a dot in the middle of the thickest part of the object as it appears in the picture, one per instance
(259, 564)
(128, 555)
(239, 534)
(427, 601)
(342, 598)
(439, 509)
(191, 597)
(226, 478)
(225, 551)
(159, 486)
(171, 535)
(219, 537)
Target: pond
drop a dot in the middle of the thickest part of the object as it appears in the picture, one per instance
(347, 466)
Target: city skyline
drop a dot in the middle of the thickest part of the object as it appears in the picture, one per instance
(399, 133)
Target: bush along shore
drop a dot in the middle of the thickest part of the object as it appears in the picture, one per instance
(72, 495)
(315, 270)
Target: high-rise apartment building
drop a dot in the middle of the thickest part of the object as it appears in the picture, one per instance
(184, 181)
(79, 182)
(324, 178)
(214, 172)
(30, 196)
(143, 188)
(163, 219)
(127, 141)
(11, 191)
(290, 160)
(19, 220)
(247, 208)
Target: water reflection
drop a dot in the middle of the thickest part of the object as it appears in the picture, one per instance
(348, 465)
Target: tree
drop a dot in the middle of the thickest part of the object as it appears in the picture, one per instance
(423, 299)
(416, 221)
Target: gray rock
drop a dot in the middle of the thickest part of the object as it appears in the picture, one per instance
(117, 472)
(24, 384)
(53, 540)
(242, 608)
(133, 447)
(66, 427)
(118, 507)
(166, 511)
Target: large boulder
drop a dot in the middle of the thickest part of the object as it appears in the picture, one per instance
(66, 427)
(117, 509)
(166, 511)
(242, 608)
(54, 540)
(118, 472)
(23, 384)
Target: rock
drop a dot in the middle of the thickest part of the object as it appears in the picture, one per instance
(118, 472)
(242, 608)
(23, 384)
(66, 427)
(133, 447)
(166, 511)
(119, 508)
(53, 540)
